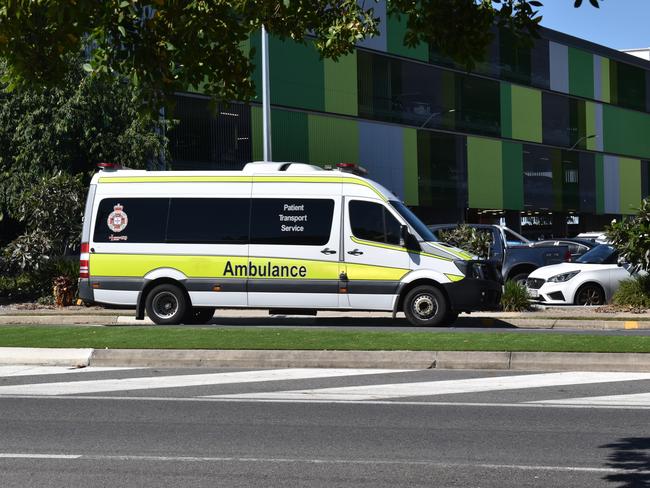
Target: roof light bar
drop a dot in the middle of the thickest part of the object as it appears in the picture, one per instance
(352, 168)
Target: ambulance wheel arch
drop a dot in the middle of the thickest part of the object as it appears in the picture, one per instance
(170, 290)
(422, 294)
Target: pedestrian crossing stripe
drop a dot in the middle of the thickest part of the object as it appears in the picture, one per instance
(445, 387)
(179, 381)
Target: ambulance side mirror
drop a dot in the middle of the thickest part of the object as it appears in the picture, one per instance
(407, 240)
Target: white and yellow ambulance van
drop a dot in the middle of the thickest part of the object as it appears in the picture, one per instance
(288, 237)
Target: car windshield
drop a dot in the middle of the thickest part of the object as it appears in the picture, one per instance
(413, 221)
(602, 254)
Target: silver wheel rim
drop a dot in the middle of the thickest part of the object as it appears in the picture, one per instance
(165, 305)
(589, 296)
(425, 306)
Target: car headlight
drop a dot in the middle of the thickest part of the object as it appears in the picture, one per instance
(561, 278)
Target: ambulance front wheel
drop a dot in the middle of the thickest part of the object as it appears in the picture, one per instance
(166, 304)
(426, 306)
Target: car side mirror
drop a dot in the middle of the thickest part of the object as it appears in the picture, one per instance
(407, 240)
(620, 261)
(403, 235)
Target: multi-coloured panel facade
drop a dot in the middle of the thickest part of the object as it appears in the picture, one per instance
(562, 126)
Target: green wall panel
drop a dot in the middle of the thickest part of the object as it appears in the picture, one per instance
(290, 136)
(296, 75)
(411, 194)
(590, 124)
(630, 181)
(332, 140)
(626, 132)
(396, 28)
(526, 114)
(341, 85)
(513, 176)
(484, 173)
(257, 133)
(506, 110)
(600, 184)
(581, 73)
(605, 85)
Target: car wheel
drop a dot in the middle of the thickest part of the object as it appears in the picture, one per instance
(166, 304)
(199, 315)
(520, 278)
(590, 294)
(425, 306)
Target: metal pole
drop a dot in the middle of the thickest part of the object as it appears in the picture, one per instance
(266, 97)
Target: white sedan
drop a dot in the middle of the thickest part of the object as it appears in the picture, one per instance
(591, 279)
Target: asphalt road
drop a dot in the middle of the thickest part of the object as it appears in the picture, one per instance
(322, 428)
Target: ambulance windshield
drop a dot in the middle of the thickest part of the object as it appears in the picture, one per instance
(413, 221)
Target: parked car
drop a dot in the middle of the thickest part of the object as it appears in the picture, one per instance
(591, 280)
(577, 247)
(515, 254)
(597, 236)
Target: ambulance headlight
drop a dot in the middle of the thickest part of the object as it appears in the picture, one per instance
(468, 268)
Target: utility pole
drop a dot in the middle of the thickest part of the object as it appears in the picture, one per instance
(266, 97)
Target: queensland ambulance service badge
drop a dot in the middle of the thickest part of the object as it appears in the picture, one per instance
(117, 219)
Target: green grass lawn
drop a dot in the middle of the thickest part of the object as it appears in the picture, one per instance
(300, 339)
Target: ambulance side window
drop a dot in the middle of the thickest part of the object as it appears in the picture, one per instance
(372, 222)
(295, 221)
(208, 220)
(131, 220)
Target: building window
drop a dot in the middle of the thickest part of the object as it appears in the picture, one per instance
(207, 139)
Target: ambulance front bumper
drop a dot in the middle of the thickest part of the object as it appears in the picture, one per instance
(473, 295)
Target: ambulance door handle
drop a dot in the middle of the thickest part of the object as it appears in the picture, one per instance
(355, 252)
(327, 250)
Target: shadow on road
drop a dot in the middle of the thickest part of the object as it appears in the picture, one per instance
(370, 322)
(631, 454)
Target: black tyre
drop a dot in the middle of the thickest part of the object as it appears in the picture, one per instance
(450, 318)
(166, 304)
(426, 306)
(199, 315)
(590, 294)
(520, 278)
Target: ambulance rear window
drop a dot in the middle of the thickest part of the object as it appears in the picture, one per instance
(131, 220)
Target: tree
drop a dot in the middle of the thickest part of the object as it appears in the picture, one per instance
(69, 129)
(167, 46)
(631, 237)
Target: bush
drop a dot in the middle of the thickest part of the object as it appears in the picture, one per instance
(634, 292)
(468, 238)
(631, 237)
(515, 297)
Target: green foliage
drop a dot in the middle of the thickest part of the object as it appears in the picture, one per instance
(631, 237)
(51, 210)
(634, 292)
(468, 238)
(174, 45)
(515, 297)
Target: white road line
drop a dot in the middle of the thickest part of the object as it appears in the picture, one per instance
(631, 400)
(371, 462)
(391, 403)
(10, 455)
(11, 371)
(429, 388)
(177, 381)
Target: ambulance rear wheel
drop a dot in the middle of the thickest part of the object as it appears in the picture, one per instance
(166, 305)
(199, 315)
(426, 306)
